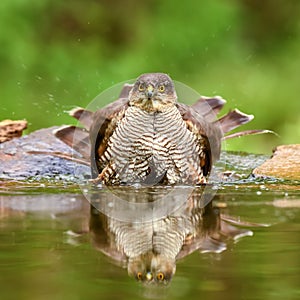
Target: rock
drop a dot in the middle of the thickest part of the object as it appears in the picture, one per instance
(40, 155)
(10, 129)
(284, 163)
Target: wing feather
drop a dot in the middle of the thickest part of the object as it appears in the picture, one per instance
(208, 134)
(209, 107)
(75, 137)
(104, 124)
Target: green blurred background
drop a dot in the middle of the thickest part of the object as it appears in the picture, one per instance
(55, 55)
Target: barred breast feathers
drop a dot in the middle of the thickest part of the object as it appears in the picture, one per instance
(146, 140)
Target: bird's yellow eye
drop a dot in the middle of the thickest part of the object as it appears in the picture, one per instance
(161, 88)
(141, 87)
(160, 276)
(139, 275)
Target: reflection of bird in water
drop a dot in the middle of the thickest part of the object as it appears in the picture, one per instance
(146, 136)
(150, 250)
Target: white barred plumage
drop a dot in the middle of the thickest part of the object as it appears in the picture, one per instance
(152, 144)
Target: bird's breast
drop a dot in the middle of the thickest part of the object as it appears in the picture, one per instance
(150, 146)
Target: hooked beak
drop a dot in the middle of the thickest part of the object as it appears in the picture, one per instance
(149, 276)
(149, 91)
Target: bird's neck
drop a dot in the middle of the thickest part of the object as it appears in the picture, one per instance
(152, 106)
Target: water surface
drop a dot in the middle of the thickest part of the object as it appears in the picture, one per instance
(48, 251)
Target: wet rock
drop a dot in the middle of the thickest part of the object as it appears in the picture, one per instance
(284, 163)
(39, 155)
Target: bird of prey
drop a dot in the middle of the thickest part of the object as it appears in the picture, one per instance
(148, 137)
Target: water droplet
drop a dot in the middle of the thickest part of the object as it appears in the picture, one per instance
(50, 96)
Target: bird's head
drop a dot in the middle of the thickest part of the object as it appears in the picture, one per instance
(153, 92)
(152, 268)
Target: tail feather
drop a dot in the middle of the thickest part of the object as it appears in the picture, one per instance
(125, 90)
(247, 132)
(85, 117)
(75, 137)
(209, 107)
(234, 119)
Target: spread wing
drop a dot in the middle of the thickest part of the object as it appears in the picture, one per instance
(91, 141)
(75, 137)
(201, 119)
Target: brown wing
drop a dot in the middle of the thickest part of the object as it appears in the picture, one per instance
(209, 107)
(85, 117)
(201, 120)
(75, 137)
(234, 119)
(104, 123)
(209, 135)
(91, 141)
